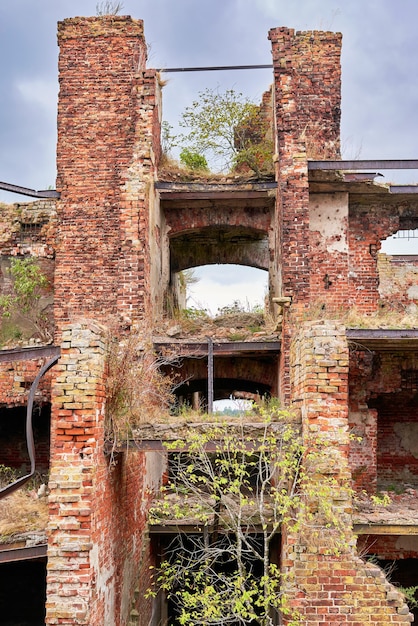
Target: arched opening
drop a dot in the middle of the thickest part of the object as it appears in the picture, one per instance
(220, 288)
(217, 255)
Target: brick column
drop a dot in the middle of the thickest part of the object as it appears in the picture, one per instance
(76, 452)
(329, 583)
(307, 101)
(108, 145)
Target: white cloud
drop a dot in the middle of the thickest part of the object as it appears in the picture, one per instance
(221, 285)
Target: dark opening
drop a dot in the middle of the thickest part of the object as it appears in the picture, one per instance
(182, 546)
(23, 593)
(13, 450)
(403, 573)
(397, 435)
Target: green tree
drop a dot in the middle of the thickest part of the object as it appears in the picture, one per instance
(193, 160)
(240, 494)
(23, 302)
(227, 129)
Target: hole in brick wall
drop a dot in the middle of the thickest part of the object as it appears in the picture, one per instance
(227, 286)
(23, 593)
(13, 451)
(397, 437)
(166, 547)
(397, 265)
(228, 392)
(403, 242)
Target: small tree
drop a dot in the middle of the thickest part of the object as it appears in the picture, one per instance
(227, 129)
(23, 302)
(241, 494)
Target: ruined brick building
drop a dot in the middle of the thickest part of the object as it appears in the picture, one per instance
(112, 243)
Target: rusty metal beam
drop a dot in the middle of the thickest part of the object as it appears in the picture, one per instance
(23, 554)
(214, 68)
(405, 339)
(385, 529)
(403, 188)
(28, 354)
(25, 191)
(379, 164)
(29, 431)
(219, 349)
(170, 529)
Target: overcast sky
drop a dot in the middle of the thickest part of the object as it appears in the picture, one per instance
(379, 68)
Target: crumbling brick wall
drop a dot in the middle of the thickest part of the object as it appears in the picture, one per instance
(398, 281)
(382, 417)
(307, 113)
(97, 545)
(329, 587)
(108, 146)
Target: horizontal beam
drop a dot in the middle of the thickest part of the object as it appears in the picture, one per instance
(403, 189)
(214, 68)
(380, 164)
(28, 354)
(25, 191)
(222, 348)
(12, 555)
(385, 529)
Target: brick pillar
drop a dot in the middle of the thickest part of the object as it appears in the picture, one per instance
(307, 91)
(76, 452)
(329, 583)
(108, 144)
(307, 96)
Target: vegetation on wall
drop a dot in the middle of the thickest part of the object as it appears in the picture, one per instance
(136, 390)
(22, 303)
(223, 129)
(240, 489)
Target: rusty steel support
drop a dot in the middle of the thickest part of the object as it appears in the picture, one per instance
(210, 375)
(29, 431)
(362, 164)
(25, 191)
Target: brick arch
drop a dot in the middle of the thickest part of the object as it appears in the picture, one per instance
(256, 374)
(239, 245)
(224, 388)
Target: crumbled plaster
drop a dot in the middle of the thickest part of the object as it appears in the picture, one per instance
(328, 215)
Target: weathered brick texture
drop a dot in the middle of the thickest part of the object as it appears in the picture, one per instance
(330, 588)
(307, 110)
(108, 130)
(383, 417)
(97, 524)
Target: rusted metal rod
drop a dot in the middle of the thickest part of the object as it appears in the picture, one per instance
(25, 191)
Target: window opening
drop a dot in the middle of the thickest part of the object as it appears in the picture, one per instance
(225, 288)
(403, 242)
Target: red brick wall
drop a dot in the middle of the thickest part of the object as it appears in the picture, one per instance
(107, 145)
(329, 588)
(383, 417)
(398, 281)
(307, 112)
(97, 548)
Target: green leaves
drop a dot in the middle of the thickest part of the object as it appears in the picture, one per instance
(28, 281)
(239, 488)
(224, 129)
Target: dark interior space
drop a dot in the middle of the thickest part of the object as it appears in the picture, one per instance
(397, 438)
(403, 573)
(13, 449)
(23, 593)
(171, 547)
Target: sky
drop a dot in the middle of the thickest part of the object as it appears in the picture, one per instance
(379, 73)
